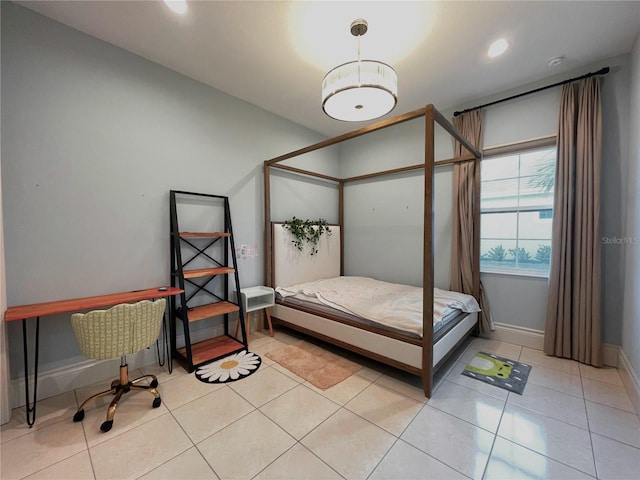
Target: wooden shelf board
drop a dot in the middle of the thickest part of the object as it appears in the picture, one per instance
(204, 234)
(212, 348)
(211, 310)
(207, 272)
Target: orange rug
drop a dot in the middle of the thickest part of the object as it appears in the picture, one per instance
(317, 366)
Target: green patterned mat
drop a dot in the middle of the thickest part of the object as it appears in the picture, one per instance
(498, 371)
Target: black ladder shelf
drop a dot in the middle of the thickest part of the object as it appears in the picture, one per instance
(214, 255)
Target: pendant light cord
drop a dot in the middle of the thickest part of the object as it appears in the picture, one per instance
(359, 63)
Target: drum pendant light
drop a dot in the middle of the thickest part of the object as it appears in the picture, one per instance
(359, 90)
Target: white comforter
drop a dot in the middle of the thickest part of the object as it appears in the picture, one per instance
(399, 306)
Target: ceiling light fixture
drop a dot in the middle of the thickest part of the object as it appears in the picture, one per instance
(359, 90)
(555, 61)
(178, 6)
(498, 47)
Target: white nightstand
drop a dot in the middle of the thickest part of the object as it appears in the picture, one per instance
(254, 299)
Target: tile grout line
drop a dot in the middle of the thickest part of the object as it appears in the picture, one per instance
(586, 412)
(383, 457)
(297, 441)
(400, 439)
(340, 407)
(254, 409)
(495, 436)
(193, 444)
(534, 451)
(570, 424)
(186, 434)
(84, 433)
(546, 456)
(344, 407)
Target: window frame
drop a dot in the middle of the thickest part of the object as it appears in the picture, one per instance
(510, 149)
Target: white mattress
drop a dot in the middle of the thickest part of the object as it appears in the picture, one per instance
(390, 304)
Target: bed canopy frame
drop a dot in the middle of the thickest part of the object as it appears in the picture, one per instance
(431, 117)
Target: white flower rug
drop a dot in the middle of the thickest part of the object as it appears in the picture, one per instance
(230, 368)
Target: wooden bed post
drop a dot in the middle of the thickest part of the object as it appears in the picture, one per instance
(341, 223)
(476, 230)
(268, 278)
(427, 273)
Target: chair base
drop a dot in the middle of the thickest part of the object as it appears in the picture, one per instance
(118, 388)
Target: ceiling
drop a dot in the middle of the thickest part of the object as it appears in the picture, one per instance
(275, 54)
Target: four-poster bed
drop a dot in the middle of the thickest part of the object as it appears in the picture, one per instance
(417, 354)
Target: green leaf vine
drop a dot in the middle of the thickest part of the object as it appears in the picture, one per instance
(307, 232)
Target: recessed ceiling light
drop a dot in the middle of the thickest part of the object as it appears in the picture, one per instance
(498, 47)
(178, 6)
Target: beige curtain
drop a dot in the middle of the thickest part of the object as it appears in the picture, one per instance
(573, 308)
(470, 126)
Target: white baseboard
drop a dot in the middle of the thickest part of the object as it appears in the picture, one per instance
(60, 380)
(531, 338)
(630, 379)
(610, 354)
(526, 337)
(56, 381)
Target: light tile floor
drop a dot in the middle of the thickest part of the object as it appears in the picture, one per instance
(571, 422)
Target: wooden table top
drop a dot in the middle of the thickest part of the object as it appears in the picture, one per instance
(21, 312)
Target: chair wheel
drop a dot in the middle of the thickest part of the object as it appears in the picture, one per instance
(79, 416)
(106, 426)
(154, 383)
(156, 402)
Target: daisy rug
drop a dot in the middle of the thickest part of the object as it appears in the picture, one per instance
(319, 367)
(230, 368)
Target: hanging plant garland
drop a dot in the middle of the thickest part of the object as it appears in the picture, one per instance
(307, 232)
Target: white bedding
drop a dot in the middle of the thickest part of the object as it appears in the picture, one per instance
(395, 305)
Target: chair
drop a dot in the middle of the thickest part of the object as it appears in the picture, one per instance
(120, 331)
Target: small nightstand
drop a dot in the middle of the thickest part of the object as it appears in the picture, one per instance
(253, 299)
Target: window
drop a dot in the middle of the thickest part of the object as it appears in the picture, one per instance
(517, 211)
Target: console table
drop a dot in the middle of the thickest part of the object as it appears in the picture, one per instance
(37, 310)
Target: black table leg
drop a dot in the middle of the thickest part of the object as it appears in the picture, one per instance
(167, 340)
(30, 407)
(166, 349)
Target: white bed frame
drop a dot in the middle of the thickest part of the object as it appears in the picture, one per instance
(291, 267)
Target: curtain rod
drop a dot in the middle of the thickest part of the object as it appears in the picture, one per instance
(602, 71)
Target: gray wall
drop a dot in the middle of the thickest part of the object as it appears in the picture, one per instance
(631, 251)
(306, 197)
(615, 171)
(93, 139)
(5, 403)
(384, 215)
